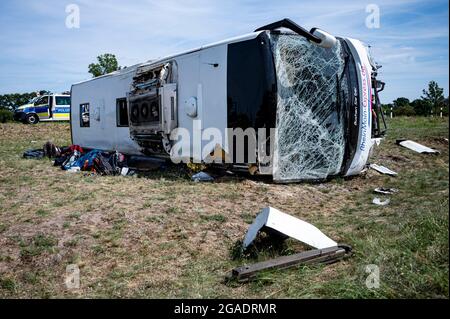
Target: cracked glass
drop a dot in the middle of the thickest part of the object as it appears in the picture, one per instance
(309, 134)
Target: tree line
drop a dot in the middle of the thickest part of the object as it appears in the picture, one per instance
(106, 63)
(430, 103)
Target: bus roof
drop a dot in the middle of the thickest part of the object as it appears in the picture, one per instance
(132, 68)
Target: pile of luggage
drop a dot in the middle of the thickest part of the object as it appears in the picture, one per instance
(74, 158)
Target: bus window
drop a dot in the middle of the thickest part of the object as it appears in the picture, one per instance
(84, 115)
(122, 112)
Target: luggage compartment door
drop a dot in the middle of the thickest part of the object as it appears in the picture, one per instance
(169, 108)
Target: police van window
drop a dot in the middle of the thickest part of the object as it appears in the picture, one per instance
(122, 112)
(84, 115)
(63, 100)
(43, 100)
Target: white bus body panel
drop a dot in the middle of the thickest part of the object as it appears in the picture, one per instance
(198, 77)
(364, 71)
(101, 93)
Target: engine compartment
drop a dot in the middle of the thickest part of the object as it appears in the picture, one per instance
(153, 107)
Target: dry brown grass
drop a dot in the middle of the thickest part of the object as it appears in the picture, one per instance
(169, 237)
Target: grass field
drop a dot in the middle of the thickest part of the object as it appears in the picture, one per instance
(165, 236)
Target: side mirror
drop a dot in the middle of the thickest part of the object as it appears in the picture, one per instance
(327, 40)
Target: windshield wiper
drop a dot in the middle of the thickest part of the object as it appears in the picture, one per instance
(338, 97)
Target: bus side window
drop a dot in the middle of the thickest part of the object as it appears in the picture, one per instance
(84, 115)
(122, 112)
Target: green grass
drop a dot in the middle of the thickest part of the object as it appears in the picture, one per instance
(160, 235)
(37, 245)
(42, 212)
(417, 127)
(217, 217)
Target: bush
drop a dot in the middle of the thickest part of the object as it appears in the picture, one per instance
(421, 107)
(406, 110)
(5, 116)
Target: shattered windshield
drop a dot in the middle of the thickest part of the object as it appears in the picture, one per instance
(309, 140)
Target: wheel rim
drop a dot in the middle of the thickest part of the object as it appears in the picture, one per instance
(32, 119)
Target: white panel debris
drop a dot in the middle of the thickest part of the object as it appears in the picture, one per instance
(309, 138)
(202, 177)
(289, 226)
(385, 191)
(379, 202)
(419, 148)
(382, 169)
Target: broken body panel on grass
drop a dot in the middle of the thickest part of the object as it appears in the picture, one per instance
(271, 220)
(287, 225)
(295, 105)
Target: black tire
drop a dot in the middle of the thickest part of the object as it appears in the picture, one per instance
(32, 119)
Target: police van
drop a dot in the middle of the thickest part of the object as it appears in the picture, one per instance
(49, 107)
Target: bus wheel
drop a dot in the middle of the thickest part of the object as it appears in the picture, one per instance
(32, 119)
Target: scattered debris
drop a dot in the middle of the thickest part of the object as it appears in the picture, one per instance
(74, 159)
(51, 150)
(124, 171)
(202, 177)
(419, 148)
(272, 220)
(326, 255)
(36, 154)
(385, 191)
(377, 141)
(378, 201)
(288, 226)
(74, 169)
(383, 170)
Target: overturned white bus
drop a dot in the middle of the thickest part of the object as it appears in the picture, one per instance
(306, 103)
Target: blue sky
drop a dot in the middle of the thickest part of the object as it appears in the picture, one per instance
(37, 51)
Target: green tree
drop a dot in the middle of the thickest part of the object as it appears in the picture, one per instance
(445, 107)
(5, 115)
(107, 63)
(406, 110)
(386, 108)
(434, 95)
(401, 102)
(421, 107)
